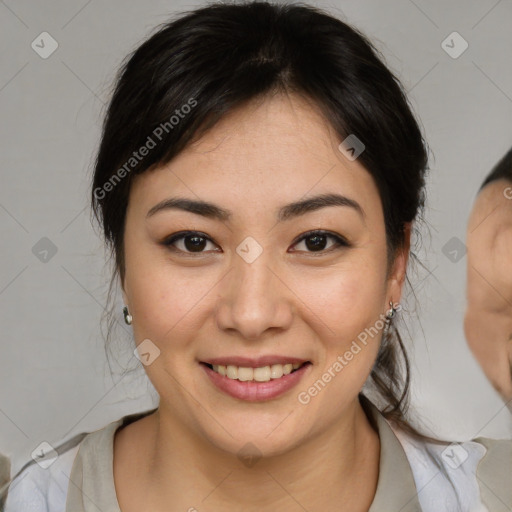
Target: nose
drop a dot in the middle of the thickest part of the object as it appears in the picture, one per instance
(253, 299)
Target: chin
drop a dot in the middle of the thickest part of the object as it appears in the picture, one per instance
(255, 438)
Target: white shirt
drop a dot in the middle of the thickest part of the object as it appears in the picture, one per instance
(446, 476)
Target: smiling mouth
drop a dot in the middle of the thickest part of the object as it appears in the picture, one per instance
(261, 374)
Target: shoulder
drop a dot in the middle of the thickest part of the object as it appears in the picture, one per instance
(494, 472)
(42, 485)
(466, 476)
(41, 488)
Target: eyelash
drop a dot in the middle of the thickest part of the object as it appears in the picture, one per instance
(340, 241)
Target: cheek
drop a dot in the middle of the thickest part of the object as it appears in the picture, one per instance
(167, 302)
(345, 309)
(349, 333)
(346, 299)
(164, 298)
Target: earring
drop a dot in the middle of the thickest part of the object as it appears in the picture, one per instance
(127, 317)
(390, 315)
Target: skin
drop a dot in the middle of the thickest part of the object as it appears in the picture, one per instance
(291, 300)
(488, 317)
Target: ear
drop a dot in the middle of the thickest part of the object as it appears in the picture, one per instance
(399, 267)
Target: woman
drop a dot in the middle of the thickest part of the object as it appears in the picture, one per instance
(258, 178)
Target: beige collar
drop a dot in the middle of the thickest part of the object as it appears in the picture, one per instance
(91, 486)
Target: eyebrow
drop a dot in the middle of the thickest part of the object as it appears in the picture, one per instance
(287, 212)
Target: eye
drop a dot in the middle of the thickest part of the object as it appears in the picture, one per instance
(315, 241)
(195, 242)
(191, 242)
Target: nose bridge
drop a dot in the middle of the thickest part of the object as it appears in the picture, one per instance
(253, 299)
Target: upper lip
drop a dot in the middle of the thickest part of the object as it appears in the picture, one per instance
(254, 362)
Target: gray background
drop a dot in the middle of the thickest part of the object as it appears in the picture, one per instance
(54, 378)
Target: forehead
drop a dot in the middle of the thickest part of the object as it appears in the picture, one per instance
(272, 150)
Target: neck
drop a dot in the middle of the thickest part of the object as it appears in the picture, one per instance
(340, 465)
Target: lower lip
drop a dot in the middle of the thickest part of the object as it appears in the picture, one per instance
(253, 391)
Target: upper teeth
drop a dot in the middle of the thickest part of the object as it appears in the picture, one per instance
(262, 374)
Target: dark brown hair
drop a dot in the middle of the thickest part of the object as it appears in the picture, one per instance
(197, 67)
(502, 170)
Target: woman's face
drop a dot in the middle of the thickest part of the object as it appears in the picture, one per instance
(250, 285)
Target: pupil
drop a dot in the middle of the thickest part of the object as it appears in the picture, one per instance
(319, 242)
(197, 244)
